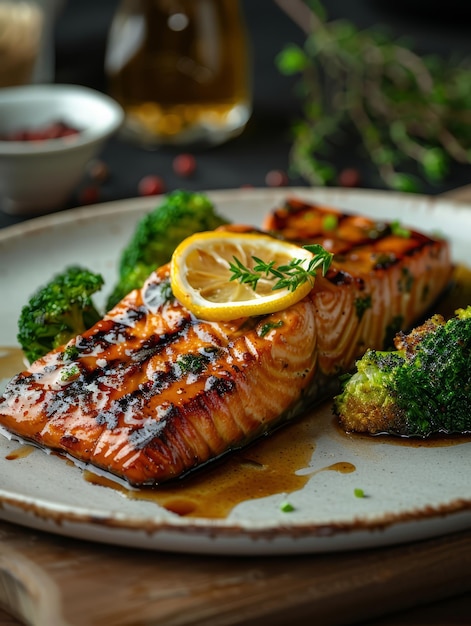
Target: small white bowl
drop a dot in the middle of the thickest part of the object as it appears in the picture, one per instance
(38, 177)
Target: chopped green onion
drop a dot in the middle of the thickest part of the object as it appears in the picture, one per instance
(330, 222)
(286, 507)
(399, 230)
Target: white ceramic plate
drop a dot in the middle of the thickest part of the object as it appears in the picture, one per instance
(413, 492)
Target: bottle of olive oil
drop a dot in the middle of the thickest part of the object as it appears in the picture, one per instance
(181, 70)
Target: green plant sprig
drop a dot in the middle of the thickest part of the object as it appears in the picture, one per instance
(289, 276)
(411, 113)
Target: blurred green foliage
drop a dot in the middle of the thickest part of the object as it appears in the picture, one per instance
(411, 114)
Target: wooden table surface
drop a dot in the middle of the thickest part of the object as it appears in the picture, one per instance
(55, 581)
(47, 580)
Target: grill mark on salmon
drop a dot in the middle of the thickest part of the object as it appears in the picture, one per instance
(155, 393)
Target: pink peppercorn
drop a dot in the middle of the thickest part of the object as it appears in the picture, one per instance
(349, 177)
(151, 185)
(184, 165)
(89, 195)
(276, 178)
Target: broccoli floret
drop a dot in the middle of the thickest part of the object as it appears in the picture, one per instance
(58, 311)
(157, 235)
(421, 388)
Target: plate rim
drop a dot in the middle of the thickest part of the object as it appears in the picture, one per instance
(60, 218)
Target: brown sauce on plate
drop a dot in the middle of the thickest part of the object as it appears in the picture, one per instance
(267, 467)
(20, 453)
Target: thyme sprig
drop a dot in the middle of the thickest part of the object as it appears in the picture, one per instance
(289, 276)
(411, 113)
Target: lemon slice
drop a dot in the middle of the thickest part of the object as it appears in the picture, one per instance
(200, 275)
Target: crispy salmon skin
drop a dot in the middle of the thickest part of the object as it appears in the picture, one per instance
(150, 392)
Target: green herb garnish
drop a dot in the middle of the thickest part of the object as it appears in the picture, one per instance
(286, 507)
(266, 328)
(71, 353)
(330, 222)
(193, 363)
(362, 304)
(399, 230)
(290, 276)
(70, 373)
(406, 281)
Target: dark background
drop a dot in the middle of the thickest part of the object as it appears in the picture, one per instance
(80, 42)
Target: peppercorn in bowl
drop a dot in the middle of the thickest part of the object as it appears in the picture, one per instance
(48, 134)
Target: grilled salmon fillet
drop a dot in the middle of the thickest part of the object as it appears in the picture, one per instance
(383, 278)
(150, 392)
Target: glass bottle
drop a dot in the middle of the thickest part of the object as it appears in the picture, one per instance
(180, 69)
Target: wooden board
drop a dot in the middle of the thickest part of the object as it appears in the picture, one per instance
(48, 580)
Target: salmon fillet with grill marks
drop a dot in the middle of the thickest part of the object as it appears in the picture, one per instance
(383, 278)
(150, 393)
